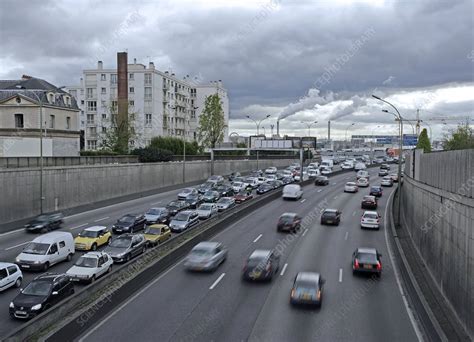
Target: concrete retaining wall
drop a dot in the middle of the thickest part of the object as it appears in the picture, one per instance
(69, 187)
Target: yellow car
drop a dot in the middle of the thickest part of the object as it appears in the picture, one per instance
(157, 233)
(92, 237)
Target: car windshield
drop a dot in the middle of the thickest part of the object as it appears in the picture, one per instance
(210, 193)
(371, 216)
(375, 188)
(153, 231)
(174, 205)
(89, 234)
(41, 219)
(127, 219)
(237, 184)
(350, 184)
(121, 243)
(88, 262)
(330, 214)
(255, 261)
(201, 251)
(37, 288)
(305, 285)
(286, 219)
(186, 191)
(368, 198)
(181, 217)
(154, 212)
(242, 193)
(224, 200)
(205, 207)
(367, 257)
(36, 248)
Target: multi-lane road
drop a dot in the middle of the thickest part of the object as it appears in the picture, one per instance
(219, 306)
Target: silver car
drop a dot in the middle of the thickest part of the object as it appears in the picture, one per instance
(225, 203)
(183, 194)
(206, 256)
(183, 220)
(125, 247)
(206, 210)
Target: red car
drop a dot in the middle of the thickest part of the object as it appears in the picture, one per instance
(243, 196)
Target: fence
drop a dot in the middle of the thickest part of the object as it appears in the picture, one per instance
(30, 162)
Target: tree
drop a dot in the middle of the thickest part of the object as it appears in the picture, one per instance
(423, 141)
(118, 136)
(151, 154)
(175, 145)
(460, 139)
(211, 122)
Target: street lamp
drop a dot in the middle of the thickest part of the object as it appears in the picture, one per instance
(345, 135)
(308, 125)
(257, 123)
(400, 155)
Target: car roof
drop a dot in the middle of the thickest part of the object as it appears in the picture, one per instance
(367, 250)
(330, 210)
(370, 212)
(369, 196)
(289, 214)
(95, 228)
(94, 254)
(260, 253)
(308, 276)
(52, 235)
(48, 276)
(187, 212)
(350, 183)
(207, 244)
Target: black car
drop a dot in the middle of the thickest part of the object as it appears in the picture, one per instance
(225, 190)
(42, 293)
(157, 215)
(321, 180)
(263, 188)
(275, 184)
(211, 196)
(129, 223)
(367, 260)
(331, 216)
(287, 180)
(126, 246)
(261, 265)
(376, 191)
(45, 223)
(369, 202)
(175, 207)
(194, 200)
(289, 222)
(204, 187)
(307, 289)
(233, 175)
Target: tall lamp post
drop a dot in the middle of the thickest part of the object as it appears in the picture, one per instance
(400, 155)
(345, 135)
(257, 123)
(308, 125)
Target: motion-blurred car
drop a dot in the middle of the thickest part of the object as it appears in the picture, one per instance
(157, 215)
(45, 223)
(129, 223)
(90, 266)
(287, 180)
(275, 184)
(290, 222)
(359, 166)
(194, 200)
(183, 220)
(10, 275)
(362, 182)
(325, 170)
(207, 210)
(225, 203)
(125, 247)
(263, 188)
(376, 191)
(351, 187)
(211, 196)
(384, 167)
(363, 174)
(206, 256)
(292, 191)
(243, 196)
(307, 289)
(331, 217)
(369, 202)
(184, 193)
(367, 260)
(156, 234)
(387, 181)
(321, 180)
(91, 238)
(261, 265)
(370, 219)
(313, 173)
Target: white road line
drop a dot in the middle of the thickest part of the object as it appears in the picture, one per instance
(159, 202)
(334, 183)
(283, 269)
(12, 232)
(82, 225)
(19, 245)
(102, 219)
(346, 236)
(258, 238)
(340, 275)
(303, 200)
(320, 190)
(304, 232)
(217, 281)
(354, 213)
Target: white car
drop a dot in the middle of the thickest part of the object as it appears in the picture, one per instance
(313, 165)
(270, 177)
(90, 266)
(292, 191)
(363, 174)
(305, 177)
(185, 193)
(271, 170)
(370, 219)
(362, 182)
(386, 181)
(207, 210)
(351, 187)
(360, 166)
(10, 275)
(252, 182)
(238, 186)
(347, 166)
(313, 173)
(326, 171)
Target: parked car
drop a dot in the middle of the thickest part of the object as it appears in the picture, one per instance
(211, 196)
(206, 256)
(369, 202)
(362, 182)
(184, 193)
(216, 179)
(387, 181)
(175, 207)
(225, 203)
(91, 238)
(129, 223)
(243, 196)
(367, 260)
(40, 294)
(10, 275)
(290, 222)
(183, 221)
(90, 266)
(376, 191)
(206, 210)
(331, 216)
(321, 180)
(370, 219)
(45, 223)
(156, 234)
(261, 265)
(307, 289)
(125, 247)
(263, 188)
(351, 187)
(157, 215)
(225, 190)
(194, 200)
(292, 191)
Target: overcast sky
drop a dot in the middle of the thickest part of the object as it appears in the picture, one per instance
(306, 60)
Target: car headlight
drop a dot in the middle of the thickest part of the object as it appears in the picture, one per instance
(120, 255)
(12, 305)
(37, 262)
(17, 260)
(38, 226)
(36, 307)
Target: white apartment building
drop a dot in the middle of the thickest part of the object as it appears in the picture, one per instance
(160, 103)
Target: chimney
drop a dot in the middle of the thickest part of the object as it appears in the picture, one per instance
(134, 61)
(329, 130)
(278, 127)
(151, 66)
(26, 77)
(122, 99)
(99, 65)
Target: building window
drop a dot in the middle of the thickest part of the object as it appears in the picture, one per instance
(103, 77)
(90, 119)
(92, 106)
(104, 116)
(147, 79)
(103, 90)
(51, 121)
(131, 90)
(19, 123)
(132, 143)
(68, 122)
(147, 142)
(130, 76)
(113, 79)
(91, 130)
(114, 106)
(82, 102)
(91, 144)
(131, 103)
(104, 130)
(148, 119)
(147, 93)
(90, 93)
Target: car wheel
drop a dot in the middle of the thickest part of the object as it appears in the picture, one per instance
(69, 257)
(18, 282)
(109, 269)
(92, 279)
(47, 307)
(127, 258)
(94, 247)
(144, 249)
(71, 291)
(44, 230)
(45, 266)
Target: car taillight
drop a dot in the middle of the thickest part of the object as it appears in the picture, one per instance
(379, 265)
(318, 295)
(292, 292)
(356, 263)
(268, 268)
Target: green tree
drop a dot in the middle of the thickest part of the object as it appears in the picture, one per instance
(211, 122)
(423, 141)
(460, 139)
(118, 136)
(175, 145)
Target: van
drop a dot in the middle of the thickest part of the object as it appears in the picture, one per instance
(292, 191)
(363, 174)
(328, 163)
(46, 250)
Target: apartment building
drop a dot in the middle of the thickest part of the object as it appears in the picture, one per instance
(160, 104)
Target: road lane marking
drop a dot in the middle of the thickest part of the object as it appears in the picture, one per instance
(258, 238)
(303, 200)
(334, 183)
(19, 245)
(159, 202)
(12, 232)
(340, 275)
(82, 225)
(305, 231)
(217, 281)
(320, 190)
(345, 236)
(354, 213)
(283, 269)
(102, 219)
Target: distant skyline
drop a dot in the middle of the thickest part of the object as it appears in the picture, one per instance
(310, 60)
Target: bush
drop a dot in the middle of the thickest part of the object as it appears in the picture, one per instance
(151, 154)
(175, 145)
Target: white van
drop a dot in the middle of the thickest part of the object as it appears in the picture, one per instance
(46, 250)
(327, 163)
(292, 191)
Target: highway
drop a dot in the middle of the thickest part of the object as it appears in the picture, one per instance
(219, 306)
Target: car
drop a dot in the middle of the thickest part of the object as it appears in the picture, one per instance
(347, 166)
(292, 191)
(307, 289)
(362, 174)
(157, 215)
(225, 203)
(45, 223)
(383, 173)
(367, 260)
(261, 265)
(370, 219)
(271, 177)
(262, 180)
(275, 184)
(387, 181)
(287, 173)
(305, 176)
(156, 234)
(40, 294)
(290, 222)
(211, 196)
(325, 170)
(376, 191)
(175, 207)
(225, 190)
(385, 167)
(314, 165)
(331, 216)
(194, 200)
(125, 247)
(271, 170)
(10, 275)
(129, 223)
(216, 179)
(92, 237)
(313, 173)
(360, 166)
(206, 256)
(321, 180)
(252, 182)
(184, 193)
(263, 188)
(394, 177)
(351, 187)
(233, 175)
(90, 266)
(287, 180)
(369, 202)
(238, 186)
(204, 187)
(362, 182)
(206, 210)
(183, 221)
(378, 160)
(243, 196)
